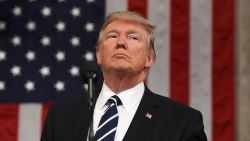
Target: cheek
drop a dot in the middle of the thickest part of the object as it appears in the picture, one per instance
(139, 51)
(105, 54)
(140, 56)
(109, 43)
(106, 50)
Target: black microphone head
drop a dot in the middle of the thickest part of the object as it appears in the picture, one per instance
(90, 69)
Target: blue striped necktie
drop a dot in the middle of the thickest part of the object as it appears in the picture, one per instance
(107, 127)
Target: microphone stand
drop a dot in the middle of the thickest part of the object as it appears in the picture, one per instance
(91, 76)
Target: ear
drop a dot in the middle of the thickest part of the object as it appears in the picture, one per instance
(150, 60)
(98, 56)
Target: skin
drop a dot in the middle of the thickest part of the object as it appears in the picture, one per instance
(124, 55)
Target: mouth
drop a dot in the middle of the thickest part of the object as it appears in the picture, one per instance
(120, 55)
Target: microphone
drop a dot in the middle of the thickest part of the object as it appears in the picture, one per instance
(90, 72)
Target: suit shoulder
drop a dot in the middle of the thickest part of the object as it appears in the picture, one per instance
(173, 112)
(177, 119)
(170, 104)
(68, 105)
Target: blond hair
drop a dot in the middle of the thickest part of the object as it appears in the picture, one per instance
(133, 17)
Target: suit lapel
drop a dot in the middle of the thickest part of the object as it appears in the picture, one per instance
(81, 119)
(146, 116)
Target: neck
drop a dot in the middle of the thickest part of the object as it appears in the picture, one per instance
(119, 82)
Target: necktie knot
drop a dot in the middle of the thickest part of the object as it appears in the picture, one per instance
(115, 100)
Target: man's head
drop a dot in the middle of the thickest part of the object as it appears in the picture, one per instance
(126, 43)
(133, 17)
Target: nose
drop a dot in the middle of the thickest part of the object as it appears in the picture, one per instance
(121, 43)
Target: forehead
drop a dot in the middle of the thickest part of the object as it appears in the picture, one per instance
(124, 25)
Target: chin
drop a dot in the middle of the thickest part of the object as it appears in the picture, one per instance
(117, 68)
(120, 67)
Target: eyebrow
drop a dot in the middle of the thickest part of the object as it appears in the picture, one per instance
(129, 31)
(113, 30)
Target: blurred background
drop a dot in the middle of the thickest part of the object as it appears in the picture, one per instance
(202, 47)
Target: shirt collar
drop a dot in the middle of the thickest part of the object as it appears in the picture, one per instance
(129, 97)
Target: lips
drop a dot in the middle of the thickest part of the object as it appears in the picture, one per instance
(120, 55)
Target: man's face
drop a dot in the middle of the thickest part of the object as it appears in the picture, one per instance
(124, 48)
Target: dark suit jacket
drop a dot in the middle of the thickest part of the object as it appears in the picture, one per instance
(169, 121)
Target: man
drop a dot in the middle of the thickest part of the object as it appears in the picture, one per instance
(125, 109)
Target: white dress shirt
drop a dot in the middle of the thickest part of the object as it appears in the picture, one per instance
(130, 101)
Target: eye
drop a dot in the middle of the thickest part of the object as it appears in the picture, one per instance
(112, 35)
(133, 37)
